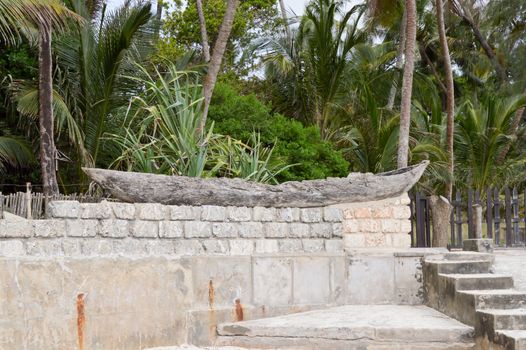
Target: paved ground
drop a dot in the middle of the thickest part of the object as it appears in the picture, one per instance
(374, 322)
(512, 262)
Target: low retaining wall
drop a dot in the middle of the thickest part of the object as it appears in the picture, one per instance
(131, 276)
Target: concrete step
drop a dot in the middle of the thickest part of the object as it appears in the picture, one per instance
(477, 281)
(494, 298)
(509, 319)
(510, 339)
(458, 266)
(469, 256)
(352, 327)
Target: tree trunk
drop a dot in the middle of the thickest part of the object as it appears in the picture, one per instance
(216, 59)
(285, 20)
(399, 61)
(463, 13)
(450, 96)
(202, 27)
(407, 84)
(440, 214)
(45, 97)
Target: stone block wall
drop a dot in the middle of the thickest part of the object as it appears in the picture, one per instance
(378, 224)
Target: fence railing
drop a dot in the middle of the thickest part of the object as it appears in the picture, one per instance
(504, 220)
(32, 205)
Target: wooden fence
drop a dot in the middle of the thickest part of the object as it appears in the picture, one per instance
(33, 205)
(504, 220)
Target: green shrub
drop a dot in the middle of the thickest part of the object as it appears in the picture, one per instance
(238, 116)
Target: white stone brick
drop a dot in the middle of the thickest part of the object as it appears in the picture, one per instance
(197, 229)
(215, 246)
(71, 246)
(124, 211)
(114, 228)
(353, 240)
(369, 225)
(81, 228)
(321, 230)
(239, 214)
(185, 212)
(400, 240)
(170, 229)
(311, 215)
(351, 226)
(49, 228)
(16, 229)
(225, 229)
(382, 212)
(188, 247)
(390, 225)
(377, 240)
(267, 246)
(144, 228)
(331, 214)
(129, 246)
(402, 212)
(264, 214)
(95, 210)
(12, 248)
(96, 247)
(405, 226)
(44, 247)
(63, 209)
(312, 245)
(288, 214)
(334, 246)
(241, 247)
(404, 199)
(150, 211)
(337, 230)
(159, 247)
(213, 213)
(299, 230)
(290, 246)
(276, 230)
(251, 230)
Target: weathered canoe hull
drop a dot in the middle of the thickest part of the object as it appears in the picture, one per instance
(182, 190)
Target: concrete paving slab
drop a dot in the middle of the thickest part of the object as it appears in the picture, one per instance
(512, 261)
(385, 323)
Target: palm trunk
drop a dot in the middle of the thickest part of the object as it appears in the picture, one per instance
(285, 20)
(202, 27)
(216, 59)
(399, 62)
(462, 12)
(45, 96)
(450, 96)
(407, 84)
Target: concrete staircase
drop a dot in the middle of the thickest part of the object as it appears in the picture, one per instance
(462, 286)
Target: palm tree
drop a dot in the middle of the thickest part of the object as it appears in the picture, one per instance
(210, 79)
(407, 84)
(450, 93)
(19, 16)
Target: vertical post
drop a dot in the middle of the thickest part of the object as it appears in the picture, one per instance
(477, 220)
(428, 222)
(489, 216)
(413, 218)
(471, 231)
(452, 224)
(28, 200)
(1, 206)
(458, 211)
(507, 205)
(496, 210)
(515, 219)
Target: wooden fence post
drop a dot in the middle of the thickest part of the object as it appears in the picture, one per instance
(458, 221)
(489, 216)
(507, 205)
(1, 206)
(496, 208)
(29, 214)
(471, 231)
(515, 219)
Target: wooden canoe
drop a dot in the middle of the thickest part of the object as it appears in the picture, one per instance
(181, 190)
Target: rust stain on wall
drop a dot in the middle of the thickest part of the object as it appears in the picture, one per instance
(239, 310)
(81, 320)
(212, 313)
(211, 294)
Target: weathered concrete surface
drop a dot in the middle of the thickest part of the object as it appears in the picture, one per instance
(358, 326)
(512, 262)
(481, 245)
